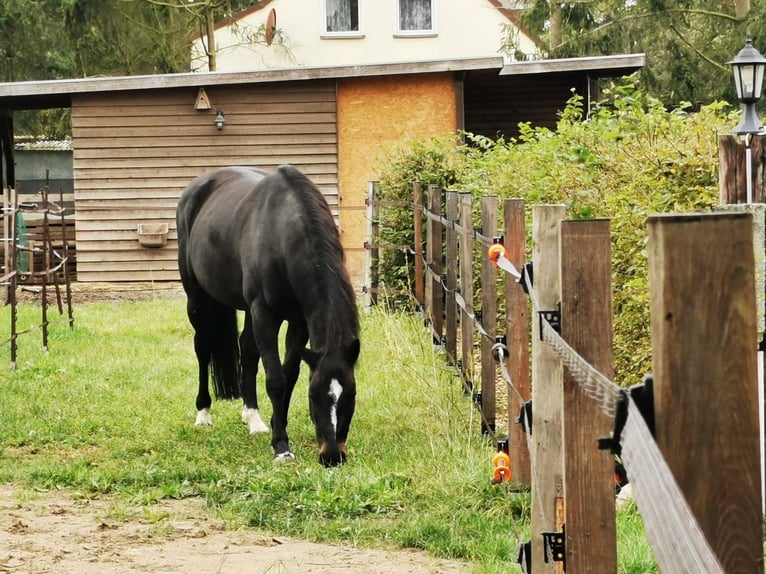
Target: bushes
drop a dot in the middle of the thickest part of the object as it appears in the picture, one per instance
(629, 159)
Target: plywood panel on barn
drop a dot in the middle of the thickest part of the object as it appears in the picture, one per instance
(136, 152)
(378, 113)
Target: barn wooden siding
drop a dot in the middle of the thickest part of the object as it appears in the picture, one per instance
(136, 151)
(495, 105)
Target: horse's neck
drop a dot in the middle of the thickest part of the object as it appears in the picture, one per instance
(330, 324)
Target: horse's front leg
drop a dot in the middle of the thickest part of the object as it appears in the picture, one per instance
(266, 331)
(295, 341)
(249, 357)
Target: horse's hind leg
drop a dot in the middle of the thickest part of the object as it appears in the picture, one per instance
(249, 357)
(203, 351)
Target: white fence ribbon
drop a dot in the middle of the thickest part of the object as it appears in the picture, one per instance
(679, 545)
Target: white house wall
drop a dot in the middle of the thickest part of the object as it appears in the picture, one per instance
(464, 29)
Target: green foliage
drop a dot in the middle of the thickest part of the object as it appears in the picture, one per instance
(432, 162)
(629, 159)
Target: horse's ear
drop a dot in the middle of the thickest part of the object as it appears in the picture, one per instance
(352, 353)
(311, 358)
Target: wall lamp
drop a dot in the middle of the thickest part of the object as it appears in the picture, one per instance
(219, 120)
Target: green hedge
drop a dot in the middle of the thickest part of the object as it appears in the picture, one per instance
(629, 159)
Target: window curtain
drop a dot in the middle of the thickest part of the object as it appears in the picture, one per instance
(342, 15)
(415, 15)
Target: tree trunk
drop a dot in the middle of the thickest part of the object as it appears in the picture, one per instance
(210, 32)
(555, 23)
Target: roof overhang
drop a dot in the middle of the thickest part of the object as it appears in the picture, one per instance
(600, 66)
(58, 93)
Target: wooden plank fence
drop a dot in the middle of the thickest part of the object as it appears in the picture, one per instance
(569, 291)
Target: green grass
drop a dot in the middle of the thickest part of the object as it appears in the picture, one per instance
(109, 410)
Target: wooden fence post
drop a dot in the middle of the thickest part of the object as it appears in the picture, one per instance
(732, 176)
(547, 456)
(517, 333)
(373, 238)
(451, 261)
(488, 316)
(417, 215)
(702, 291)
(466, 288)
(586, 324)
(434, 292)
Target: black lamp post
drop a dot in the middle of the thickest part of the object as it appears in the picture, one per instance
(748, 67)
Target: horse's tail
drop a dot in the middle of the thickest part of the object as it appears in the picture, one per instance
(223, 337)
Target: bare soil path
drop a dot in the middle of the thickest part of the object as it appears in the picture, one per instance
(58, 532)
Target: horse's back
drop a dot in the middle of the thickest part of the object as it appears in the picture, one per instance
(244, 232)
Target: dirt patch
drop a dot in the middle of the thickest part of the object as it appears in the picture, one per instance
(57, 532)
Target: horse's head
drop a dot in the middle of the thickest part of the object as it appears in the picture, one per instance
(332, 399)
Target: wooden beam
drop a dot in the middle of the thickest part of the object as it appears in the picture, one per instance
(702, 286)
(586, 324)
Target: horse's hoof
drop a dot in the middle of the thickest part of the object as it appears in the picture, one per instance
(286, 456)
(252, 418)
(203, 418)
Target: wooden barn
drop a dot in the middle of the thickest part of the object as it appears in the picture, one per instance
(138, 141)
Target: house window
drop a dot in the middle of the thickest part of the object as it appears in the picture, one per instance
(341, 17)
(415, 17)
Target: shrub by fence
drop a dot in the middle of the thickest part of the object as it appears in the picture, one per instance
(704, 413)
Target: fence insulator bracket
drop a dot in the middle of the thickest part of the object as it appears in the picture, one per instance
(554, 545)
(641, 394)
(524, 418)
(526, 272)
(553, 317)
(524, 559)
(501, 343)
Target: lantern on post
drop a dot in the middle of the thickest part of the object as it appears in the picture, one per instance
(748, 67)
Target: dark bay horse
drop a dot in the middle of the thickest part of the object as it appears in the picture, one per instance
(266, 243)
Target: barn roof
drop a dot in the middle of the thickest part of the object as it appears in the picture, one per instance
(58, 93)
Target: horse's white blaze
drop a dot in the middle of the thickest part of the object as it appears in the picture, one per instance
(335, 392)
(203, 418)
(252, 418)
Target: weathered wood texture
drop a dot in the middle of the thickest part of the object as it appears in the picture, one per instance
(517, 333)
(547, 454)
(465, 248)
(702, 289)
(417, 198)
(434, 290)
(586, 324)
(732, 176)
(488, 315)
(450, 312)
(136, 151)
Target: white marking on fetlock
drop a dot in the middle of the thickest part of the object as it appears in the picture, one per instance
(286, 456)
(252, 418)
(203, 418)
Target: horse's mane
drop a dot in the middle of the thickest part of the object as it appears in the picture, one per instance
(341, 317)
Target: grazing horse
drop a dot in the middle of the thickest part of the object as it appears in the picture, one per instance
(266, 243)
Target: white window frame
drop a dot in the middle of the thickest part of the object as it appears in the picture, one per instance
(399, 33)
(329, 35)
